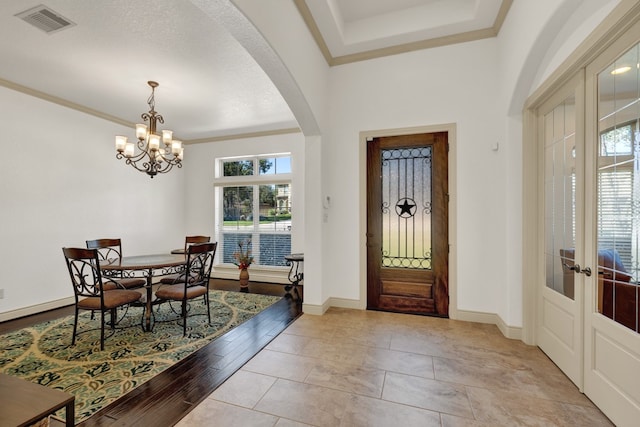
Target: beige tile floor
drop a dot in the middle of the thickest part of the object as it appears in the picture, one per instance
(367, 368)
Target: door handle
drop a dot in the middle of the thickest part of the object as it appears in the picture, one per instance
(574, 267)
(577, 269)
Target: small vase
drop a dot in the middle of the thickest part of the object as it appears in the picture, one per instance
(244, 280)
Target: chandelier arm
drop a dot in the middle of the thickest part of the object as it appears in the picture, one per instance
(135, 164)
(167, 166)
(145, 166)
(142, 145)
(135, 160)
(168, 157)
(170, 166)
(131, 159)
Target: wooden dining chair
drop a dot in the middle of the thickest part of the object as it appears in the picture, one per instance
(194, 283)
(90, 290)
(188, 241)
(109, 249)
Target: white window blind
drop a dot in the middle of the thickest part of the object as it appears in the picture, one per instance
(615, 212)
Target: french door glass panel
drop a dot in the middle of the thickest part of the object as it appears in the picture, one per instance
(618, 180)
(560, 203)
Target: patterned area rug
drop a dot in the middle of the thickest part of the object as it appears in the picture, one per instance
(43, 354)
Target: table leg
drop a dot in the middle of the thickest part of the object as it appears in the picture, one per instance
(295, 277)
(149, 306)
(291, 275)
(70, 414)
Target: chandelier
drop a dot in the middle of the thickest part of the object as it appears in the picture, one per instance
(150, 157)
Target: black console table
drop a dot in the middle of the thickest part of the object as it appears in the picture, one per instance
(296, 272)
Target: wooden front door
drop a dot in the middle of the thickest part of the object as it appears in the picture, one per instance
(407, 228)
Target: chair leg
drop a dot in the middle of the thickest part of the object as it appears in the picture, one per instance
(206, 301)
(114, 317)
(75, 327)
(101, 330)
(144, 311)
(184, 318)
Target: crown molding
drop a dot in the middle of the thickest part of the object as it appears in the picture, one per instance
(83, 109)
(414, 46)
(502, 15)
(469, 36)
(63, 102)
(305, 12)
(242, 136)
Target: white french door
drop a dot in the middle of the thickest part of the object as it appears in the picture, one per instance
(560, 128)
(589, 302)
(612, 237)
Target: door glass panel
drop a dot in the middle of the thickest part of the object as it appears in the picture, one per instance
(406, 207)
(560, 201)
(618, 209)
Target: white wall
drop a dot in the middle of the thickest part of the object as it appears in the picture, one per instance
(455, 84)
(199, 170)
(61, 185)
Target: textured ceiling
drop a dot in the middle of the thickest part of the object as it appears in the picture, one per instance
(209, 85)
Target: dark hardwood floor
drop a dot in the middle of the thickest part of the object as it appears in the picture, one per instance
(169, 396)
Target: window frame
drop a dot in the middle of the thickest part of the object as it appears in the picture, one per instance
(255, 180)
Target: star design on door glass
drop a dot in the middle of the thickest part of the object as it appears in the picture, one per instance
(406, 208)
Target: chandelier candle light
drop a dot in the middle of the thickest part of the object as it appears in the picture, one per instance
(151, 159)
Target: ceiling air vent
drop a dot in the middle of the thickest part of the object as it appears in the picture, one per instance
(45, 19)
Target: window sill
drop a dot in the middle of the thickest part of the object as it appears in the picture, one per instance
(256, 273)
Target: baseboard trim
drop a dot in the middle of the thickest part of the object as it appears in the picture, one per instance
(347, 303)
(319, 310)
(35, 309)
(315, 309)
(511, 332)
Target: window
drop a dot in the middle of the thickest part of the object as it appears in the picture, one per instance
(253, 202)
(617, 142)
(617, 171)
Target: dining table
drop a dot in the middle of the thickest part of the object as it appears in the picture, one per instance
(147, 266)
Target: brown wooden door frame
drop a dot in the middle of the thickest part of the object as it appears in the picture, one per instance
(404, 290)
